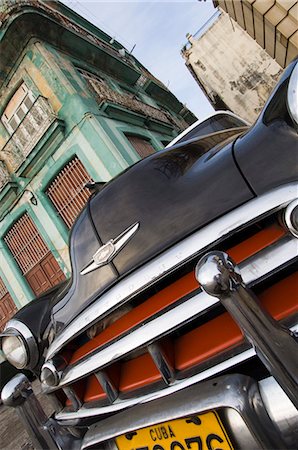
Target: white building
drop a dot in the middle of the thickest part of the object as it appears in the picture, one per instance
(232, 64)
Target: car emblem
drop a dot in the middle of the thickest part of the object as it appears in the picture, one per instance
(108, 251)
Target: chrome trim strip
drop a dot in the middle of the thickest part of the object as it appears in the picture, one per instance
(292, 94)
(25, 333)
(252, 269)
(238, 392)
(173, 258)
(179, 384)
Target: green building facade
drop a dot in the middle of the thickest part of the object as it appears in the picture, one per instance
(75, 107)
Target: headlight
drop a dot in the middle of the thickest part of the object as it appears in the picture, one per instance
(293, 94)
(15, 351)
(19, 345)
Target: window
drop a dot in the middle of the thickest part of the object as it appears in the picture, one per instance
(215, 123)
(67, 191)
(17, 108)
(7, 306)
(25, 243)
(142, 146)
(98, 86)
(32, 255)
(88, 75)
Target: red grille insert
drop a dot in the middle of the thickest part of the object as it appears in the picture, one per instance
(204, 342)
(280, 300)
(174, 292)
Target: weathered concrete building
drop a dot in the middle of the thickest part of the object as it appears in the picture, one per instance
(273, 24)
(75, 106)
(232, 56)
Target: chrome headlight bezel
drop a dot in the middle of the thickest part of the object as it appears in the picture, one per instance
(291, 217)
(18, 330)
(292, 94)
(15, 351)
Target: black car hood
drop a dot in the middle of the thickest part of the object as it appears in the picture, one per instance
(170, 194)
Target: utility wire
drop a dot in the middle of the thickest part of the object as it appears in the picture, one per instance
(79, 5)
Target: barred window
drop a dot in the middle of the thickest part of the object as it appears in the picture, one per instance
(67, 191)
(25, 243)
(141, 145)
(37, 263)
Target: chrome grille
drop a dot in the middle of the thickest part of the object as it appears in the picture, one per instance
(147, 336)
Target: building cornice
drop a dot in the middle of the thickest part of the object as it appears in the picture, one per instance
(52, 15)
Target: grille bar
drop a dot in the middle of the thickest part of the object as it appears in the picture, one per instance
(162, 362)
(254, 269)
(119, 405)
(107, 385)
(73, 398)
(176, 290)
(175, 257)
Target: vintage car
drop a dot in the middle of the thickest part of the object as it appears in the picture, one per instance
(178, 327)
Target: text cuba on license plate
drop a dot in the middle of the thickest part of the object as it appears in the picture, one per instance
(201, 432)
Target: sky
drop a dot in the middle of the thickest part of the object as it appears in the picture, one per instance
(157, 29)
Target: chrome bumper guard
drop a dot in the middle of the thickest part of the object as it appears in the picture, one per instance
(44, 432)
(275, 345)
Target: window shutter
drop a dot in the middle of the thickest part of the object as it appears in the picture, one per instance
(141, 146)
(67, 191)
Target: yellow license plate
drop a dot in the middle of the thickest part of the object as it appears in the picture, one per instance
(201, 432)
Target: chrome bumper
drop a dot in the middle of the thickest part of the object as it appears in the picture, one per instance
(236, 396)
(249, 410)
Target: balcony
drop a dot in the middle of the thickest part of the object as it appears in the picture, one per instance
(24, 139)
(8, 189)
(130, 102)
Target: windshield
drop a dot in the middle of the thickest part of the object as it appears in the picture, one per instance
(211, 125)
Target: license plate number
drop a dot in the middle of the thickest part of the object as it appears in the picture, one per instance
(201, 432)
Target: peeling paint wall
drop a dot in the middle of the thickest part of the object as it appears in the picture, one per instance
(43, 62)
(87, 132)
(232, 68)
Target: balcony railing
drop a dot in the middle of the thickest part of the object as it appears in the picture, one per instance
(105, 94)
(4, 175)
(26, 136)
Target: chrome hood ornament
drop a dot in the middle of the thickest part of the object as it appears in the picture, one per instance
(108, 251)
